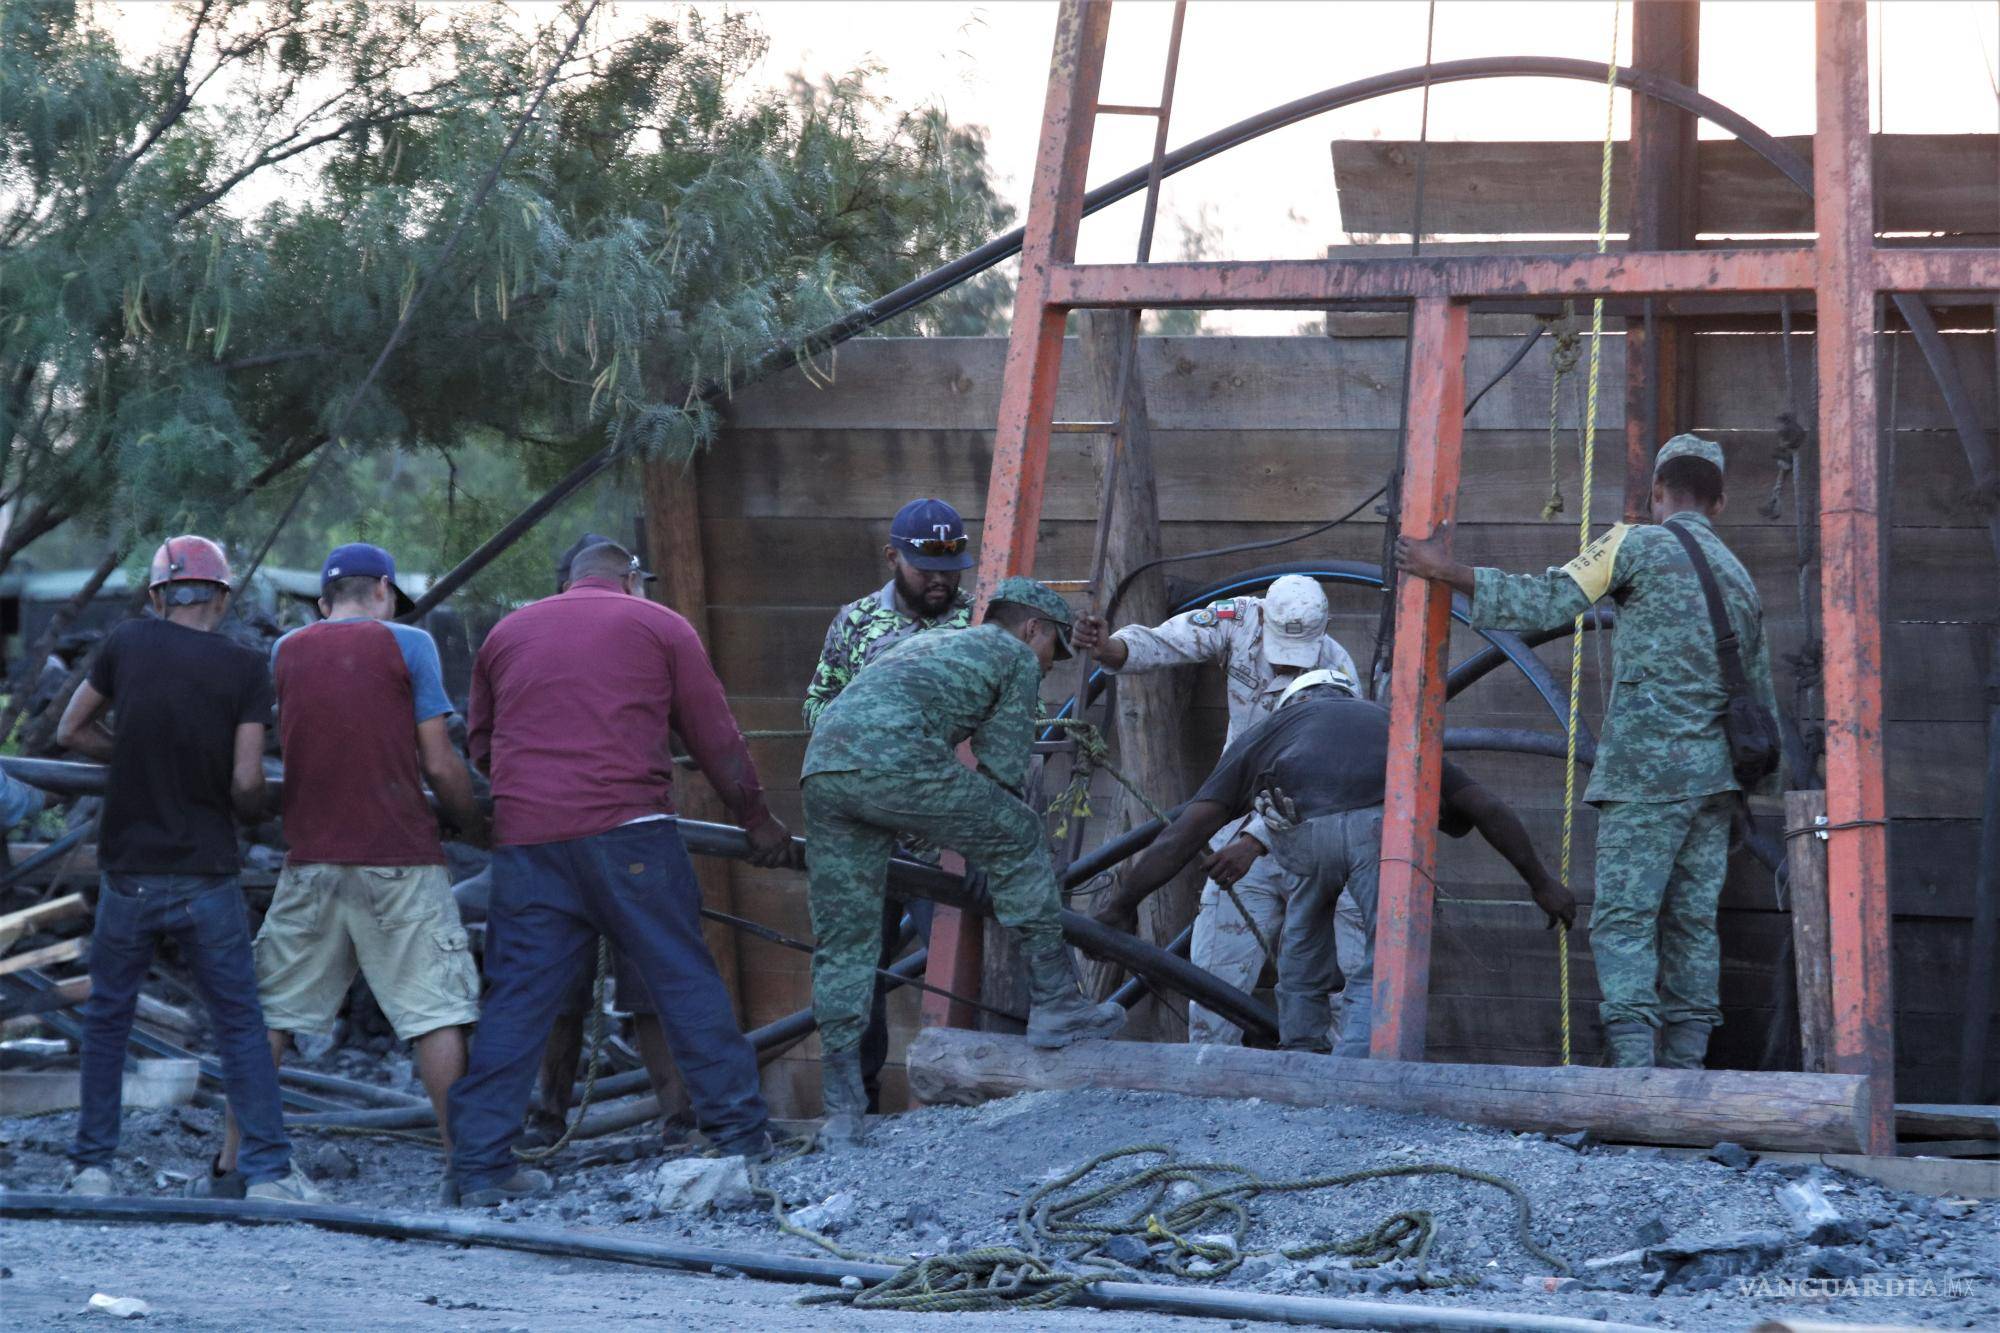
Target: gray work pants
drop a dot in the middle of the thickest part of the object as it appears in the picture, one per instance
(1225, 946)
(1328, 854)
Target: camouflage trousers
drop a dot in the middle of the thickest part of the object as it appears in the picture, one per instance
(853, 820)
(1224, 945)
(1660, 866)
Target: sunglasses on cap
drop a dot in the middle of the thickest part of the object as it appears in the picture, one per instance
(935, 546)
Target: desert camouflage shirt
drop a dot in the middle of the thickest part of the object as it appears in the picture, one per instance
(1663, 738)
(862, 630)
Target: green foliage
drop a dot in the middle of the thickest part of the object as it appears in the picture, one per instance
(203, 251)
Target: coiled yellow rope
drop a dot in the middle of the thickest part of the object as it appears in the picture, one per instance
(1583, 521)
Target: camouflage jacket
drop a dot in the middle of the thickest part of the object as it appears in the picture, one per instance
(1663, 738)
(909, 711)
(862, 630)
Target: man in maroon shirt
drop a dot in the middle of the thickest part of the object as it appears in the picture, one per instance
(362, 712)
(572, 701)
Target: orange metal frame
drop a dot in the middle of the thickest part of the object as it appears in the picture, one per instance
(1844, 271)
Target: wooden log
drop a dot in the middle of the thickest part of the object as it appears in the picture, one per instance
(29, 919)
(1805, 852)
(1796, 1112)
(1945, 1121)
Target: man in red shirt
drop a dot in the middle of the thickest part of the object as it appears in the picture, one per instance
(572, 701)
(362, 712)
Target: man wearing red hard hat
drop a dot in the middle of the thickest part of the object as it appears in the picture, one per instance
(185, 759)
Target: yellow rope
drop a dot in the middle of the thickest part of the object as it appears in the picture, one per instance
(1583, 524)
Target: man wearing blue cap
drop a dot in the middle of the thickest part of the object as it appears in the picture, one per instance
(362, 713)
(928, 554)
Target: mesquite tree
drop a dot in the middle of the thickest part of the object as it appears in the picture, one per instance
(204, 247)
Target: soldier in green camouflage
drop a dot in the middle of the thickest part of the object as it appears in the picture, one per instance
(1663, 782)
(882, 764)
(928, 554)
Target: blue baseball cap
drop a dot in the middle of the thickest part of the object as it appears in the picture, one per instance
(930, 535)
(359, 560)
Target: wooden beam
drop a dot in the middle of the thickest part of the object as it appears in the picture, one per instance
(1851, 568)
(1145, 707)
(1800, 1112)
(60, 952)
(1983, 941)
(1664, 186)
(30, 919)
(1416, 690)
(1929, 183)
(1805, 853)
(674, 550)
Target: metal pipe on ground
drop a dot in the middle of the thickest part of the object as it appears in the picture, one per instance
(769, 1041)
(458, 1229)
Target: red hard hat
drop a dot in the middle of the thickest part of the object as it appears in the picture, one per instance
(189, 559)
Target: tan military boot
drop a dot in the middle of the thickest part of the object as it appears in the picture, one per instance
(1058, 1014)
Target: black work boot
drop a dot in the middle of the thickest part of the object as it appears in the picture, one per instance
(844, 1099)
(523, 1184)
(1684, 1045)
(1629, 1044)
(1058, 1014)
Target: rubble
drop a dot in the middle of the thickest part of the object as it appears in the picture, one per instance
(700, 1184)
(119, 1307)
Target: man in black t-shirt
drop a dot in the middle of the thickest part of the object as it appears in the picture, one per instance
(186, 757)
(1315, 770)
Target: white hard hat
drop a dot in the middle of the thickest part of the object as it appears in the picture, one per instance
(1294, 621)
(1330, 677)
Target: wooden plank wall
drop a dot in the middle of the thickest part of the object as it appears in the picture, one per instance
(1258, 436)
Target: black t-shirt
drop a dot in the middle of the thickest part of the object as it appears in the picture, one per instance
(177, 696)
(1329, 753)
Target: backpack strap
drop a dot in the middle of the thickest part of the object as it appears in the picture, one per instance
(1728, 651)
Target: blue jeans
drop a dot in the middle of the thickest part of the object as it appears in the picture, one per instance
(204, 916)
(636, 886)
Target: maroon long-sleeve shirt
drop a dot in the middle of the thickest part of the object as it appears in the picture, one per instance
(572, 701)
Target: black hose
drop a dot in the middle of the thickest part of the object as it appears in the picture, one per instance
(460, 1229)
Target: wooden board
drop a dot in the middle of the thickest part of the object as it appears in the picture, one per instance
(152, 1084)
(1787, 1111)
(14, 925)
(1923, 182)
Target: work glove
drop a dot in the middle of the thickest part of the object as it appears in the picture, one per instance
(1278, 811)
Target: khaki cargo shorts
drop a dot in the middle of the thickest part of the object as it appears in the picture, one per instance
(397, 925)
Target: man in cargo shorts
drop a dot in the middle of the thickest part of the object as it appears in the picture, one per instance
(362, 715)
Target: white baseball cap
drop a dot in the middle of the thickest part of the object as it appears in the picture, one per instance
(1294, 621)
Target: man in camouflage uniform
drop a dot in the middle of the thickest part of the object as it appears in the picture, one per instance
(1262, 644)
(928, 554)
(1663, 783)
(882, 765)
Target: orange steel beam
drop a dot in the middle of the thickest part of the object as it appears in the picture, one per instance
(1028, 399)
(1975, 271)
(1416, 689)
(1851, 567)
(1314, 282)
(1034, 345)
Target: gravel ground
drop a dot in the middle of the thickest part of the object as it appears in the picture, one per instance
(944, 1179)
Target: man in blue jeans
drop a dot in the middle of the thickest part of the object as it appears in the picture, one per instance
(573, 698)
(186, 758)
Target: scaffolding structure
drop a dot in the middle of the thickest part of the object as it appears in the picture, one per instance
(1844, 273)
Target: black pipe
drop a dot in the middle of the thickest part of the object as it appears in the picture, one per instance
(54, 851)
(773, 1036)
(460, 1229)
